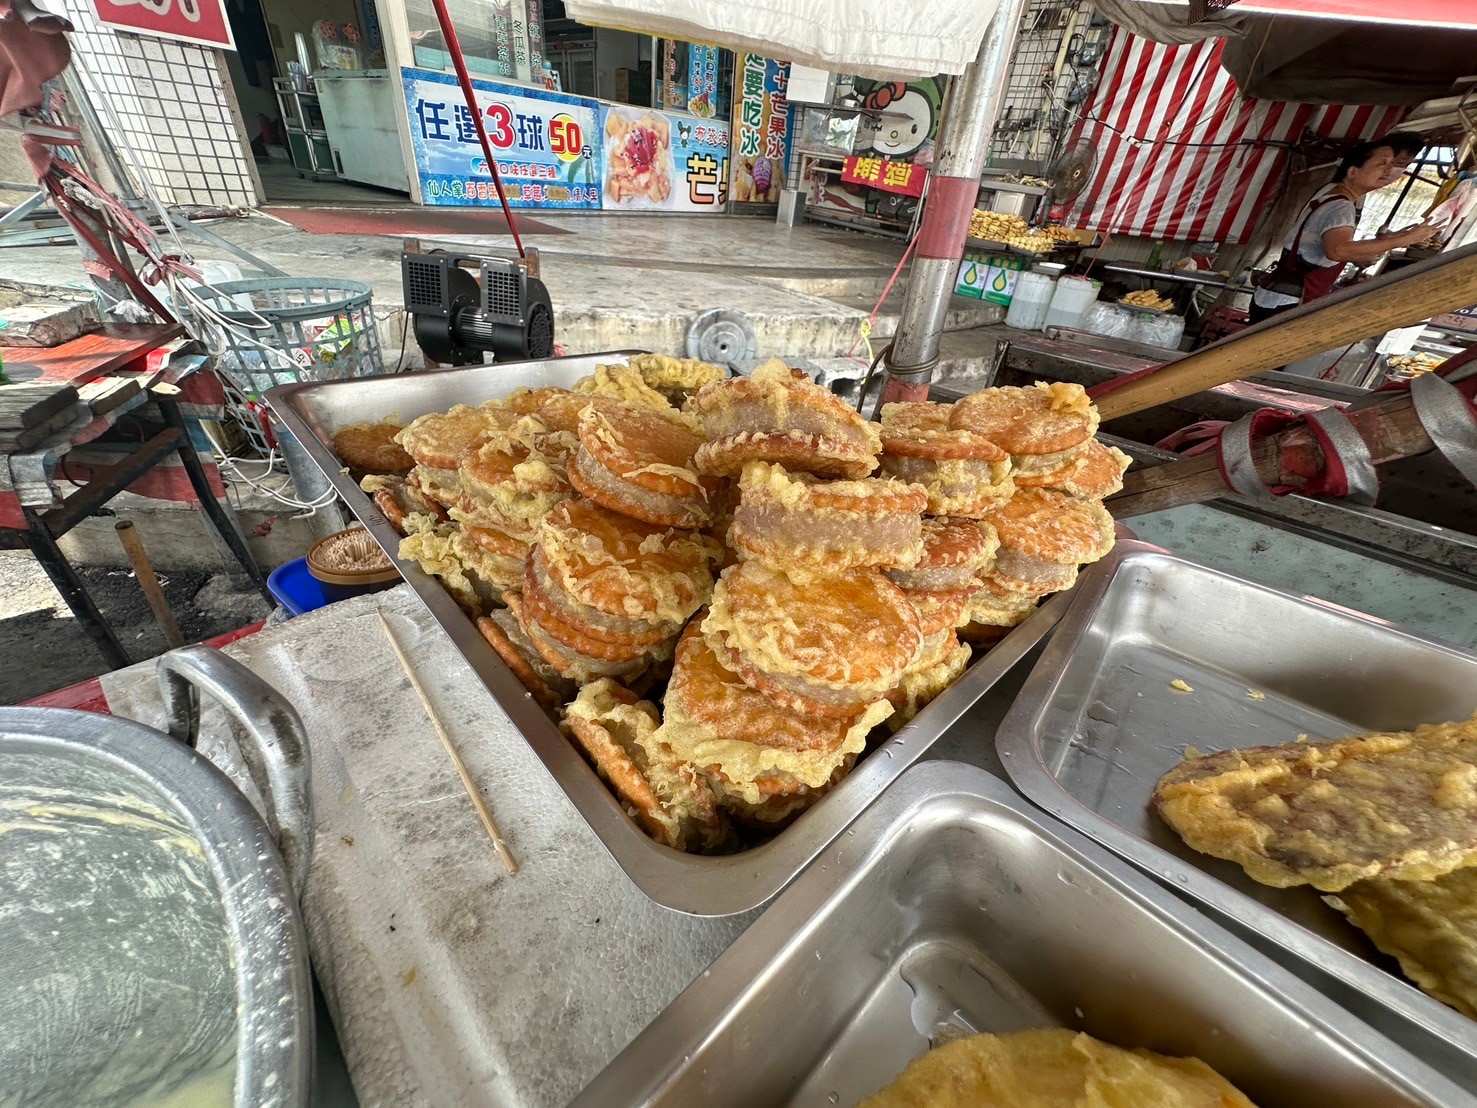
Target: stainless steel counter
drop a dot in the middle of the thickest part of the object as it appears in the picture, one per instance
(451, 983)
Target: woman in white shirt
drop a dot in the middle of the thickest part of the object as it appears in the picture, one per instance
(1322, 241)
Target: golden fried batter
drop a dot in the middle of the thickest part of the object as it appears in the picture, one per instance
(1053, 1068)
(1399, 805)
(371, 448)
(1430, 926)
(622, 382)
(667, 796)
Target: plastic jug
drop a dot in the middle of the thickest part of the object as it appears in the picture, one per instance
(1070, 301)
(1032, 298)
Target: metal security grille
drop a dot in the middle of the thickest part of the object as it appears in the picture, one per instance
(1034, 112)
(169, 105)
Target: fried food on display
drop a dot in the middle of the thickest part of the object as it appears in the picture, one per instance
(1394, 805)
(585, 528)
(370, 448)
(508, 486)
(605, 595)
(818, 645)
(764, 762)
(941, 660)
(506, 636)
(1430, 927)
(1044, 537)
(798, 520)
(666, 795)
(440, 441)
(1148, 298)
(1042, 427)
(622, 382)
(1095, 475)
(778, 415)
(1053, 1068)
(639, 462)
(948, 576)
(963, 473)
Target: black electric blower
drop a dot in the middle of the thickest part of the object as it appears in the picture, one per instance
(458, 317)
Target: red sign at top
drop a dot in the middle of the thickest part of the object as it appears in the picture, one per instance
(199, 21)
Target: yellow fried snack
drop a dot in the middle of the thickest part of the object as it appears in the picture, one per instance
(1053, 1068)
(668, 375)
(1399, 805)
(622, 382)
(1429, 926)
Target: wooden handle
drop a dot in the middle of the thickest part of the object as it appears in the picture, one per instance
(1391, 429)
(1408, 296)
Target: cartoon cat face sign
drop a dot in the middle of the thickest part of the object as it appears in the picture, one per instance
(905, 127)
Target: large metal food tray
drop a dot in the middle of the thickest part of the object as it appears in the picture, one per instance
(953, 905)
(704, 886)
(1097, 723)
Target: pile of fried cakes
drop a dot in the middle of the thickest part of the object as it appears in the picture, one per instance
(722, 586)
(1385, 822)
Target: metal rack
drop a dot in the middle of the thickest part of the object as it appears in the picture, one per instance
(307, 136)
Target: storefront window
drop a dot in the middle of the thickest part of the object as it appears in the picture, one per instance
(501, 39)
(694, 78)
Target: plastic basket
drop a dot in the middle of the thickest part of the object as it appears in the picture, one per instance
(288, 329)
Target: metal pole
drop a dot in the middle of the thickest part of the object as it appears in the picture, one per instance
(959, 157)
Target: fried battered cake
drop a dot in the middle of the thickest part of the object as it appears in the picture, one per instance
(399, 498)
(665, 795)
(955, 553)
(989, 615)
(1429, 926)
(824, 646)
(751, 749)
(1053, 1068)
(1043, 426)
(774, 416)
(638, 462)
(675, 378)
(935, 671)
(1096, 475)
(620, 382)
(965, 474)
(1397, 805)
(508, 486)
(567, 661)
(493, 560)
(432, 546)
(796, 519)
(438, 443)
(1042, 534)
(506, 637)
(371, 448)
(624, 568)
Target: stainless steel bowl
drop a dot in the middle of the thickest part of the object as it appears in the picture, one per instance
(149, 931)
(951, 905)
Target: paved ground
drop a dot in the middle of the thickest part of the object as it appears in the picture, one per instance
(42, 648)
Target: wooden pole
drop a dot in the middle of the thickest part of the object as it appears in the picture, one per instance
(143, 571)
(1390, 429)
(1408, 296)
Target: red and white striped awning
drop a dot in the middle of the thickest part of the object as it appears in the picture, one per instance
(1182, 155)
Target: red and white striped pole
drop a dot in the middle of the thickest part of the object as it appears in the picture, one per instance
(959, 157)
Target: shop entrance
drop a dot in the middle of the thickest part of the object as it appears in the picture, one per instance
(317, 101)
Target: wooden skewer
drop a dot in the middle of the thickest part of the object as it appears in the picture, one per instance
(1399, 299)
(498, 843)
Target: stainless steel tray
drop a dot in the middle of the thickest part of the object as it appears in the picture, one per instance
(1097, 723)
(687, 883)
(952, 903)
